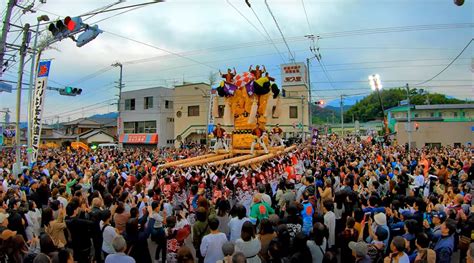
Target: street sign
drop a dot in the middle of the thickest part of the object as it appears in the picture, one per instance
(403, 102)
(5, 87)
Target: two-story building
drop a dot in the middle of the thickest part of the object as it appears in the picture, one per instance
(89, 130)
(433, 125)
(146, 118)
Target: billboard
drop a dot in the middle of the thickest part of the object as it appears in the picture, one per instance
(294, 74)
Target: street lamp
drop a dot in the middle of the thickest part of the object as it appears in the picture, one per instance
(376, 85)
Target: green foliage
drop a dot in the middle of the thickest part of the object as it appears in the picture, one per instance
(369, 108)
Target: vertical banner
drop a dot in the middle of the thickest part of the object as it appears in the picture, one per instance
(314, 137)
(38, 103)
(119, 127)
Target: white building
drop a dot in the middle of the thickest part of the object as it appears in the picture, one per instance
(147, 118)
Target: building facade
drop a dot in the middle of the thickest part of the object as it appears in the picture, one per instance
(433, 125)
(146, 118)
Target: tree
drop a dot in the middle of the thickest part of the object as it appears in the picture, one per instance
(369, 108)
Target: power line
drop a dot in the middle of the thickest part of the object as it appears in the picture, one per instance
(450, 63)
(246, 19)
(161, 49)
(266, 32)
(279, 29)
(307, 19)
(91, 76)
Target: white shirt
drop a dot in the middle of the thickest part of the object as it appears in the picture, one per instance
(108, 235)
(235, 226)
(317, 252)
(330, 222)
(211, 247)
(119, 258)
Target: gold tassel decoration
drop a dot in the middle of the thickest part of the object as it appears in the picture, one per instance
(227, 113)
(277, 112)
(215, 107)
(253, 112)
(268, 109)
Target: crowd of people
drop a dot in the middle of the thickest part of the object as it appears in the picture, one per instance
(341, 200)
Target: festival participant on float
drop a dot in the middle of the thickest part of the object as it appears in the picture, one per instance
(259, 134)
(257, 72)
(219, 134)
(229, 77)
(276, 135)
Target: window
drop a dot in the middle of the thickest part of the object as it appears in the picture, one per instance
(433, 144)
(273, 112)
(455, 115)
(129, 127)
(169, 141)
(168, 104)
(193, 111)
(441, 114)
(179, 114)
(170, 119)
(140, 127)
(129, 104)
(293, 112)
(416, 115)
(150, 127)
(432, 114)
(220, 111)
(148, 103)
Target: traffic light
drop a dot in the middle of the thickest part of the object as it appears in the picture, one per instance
(62, 28)
(90, 34)
(319, 102)
(70, 91)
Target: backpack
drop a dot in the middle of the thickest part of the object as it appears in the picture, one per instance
(376, 255)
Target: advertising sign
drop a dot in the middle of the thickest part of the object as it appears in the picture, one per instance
(38, 103)
(294, 74)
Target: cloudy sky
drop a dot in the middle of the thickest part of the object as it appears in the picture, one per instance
(404, 41)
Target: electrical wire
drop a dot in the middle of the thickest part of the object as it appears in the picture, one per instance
(266, 32)
(307, 19)
(161, 49)
(246, 19)
(279, 29)
(447, 66)
(91, 76)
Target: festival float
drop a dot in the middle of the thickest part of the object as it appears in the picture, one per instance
(246, 98)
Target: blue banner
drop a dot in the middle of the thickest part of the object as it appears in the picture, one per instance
(43, 68)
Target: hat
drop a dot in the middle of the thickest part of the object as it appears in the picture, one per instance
(439, 214)
(380, 219)
(3, 216)
(360, 248)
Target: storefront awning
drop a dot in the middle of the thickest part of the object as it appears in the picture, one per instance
(142, 138)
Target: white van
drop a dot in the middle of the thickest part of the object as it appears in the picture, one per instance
(109, 146)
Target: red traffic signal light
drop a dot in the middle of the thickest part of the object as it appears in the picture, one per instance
(319, 102)
(70, 24)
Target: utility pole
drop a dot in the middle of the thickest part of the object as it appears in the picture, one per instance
(342, 114)
(6, 27)
(24, 45)
(310, 114)
(119, 122)
(302, 120)
(409, 120)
